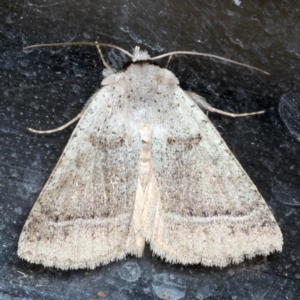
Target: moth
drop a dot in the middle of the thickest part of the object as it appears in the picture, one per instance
(145, 164)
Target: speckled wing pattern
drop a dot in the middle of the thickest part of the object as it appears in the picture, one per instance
(145, 164)
(85, 209)
(208, 210)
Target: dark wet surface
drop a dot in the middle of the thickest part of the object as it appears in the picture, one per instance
(47, 87)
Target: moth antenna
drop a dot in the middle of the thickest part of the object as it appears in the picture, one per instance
(209, 55)
(80, 44)
(168, 62)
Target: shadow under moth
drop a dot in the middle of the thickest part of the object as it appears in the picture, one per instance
(145, 164)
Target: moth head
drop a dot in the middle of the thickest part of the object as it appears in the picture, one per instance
(140, 55)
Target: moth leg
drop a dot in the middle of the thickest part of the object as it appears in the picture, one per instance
(168, 62)
(108, 69)
(59, 128)
(201, 102)
(101, 55)
(67, 124)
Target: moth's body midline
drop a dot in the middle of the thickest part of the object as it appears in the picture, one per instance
(145, 132)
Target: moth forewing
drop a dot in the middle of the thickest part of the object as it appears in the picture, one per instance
(143, 164)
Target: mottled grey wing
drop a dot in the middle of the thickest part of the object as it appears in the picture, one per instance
(206, 209)
(83, 215)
